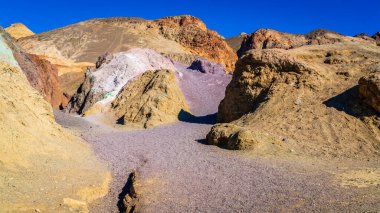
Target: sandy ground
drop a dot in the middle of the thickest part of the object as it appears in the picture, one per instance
(178, 172)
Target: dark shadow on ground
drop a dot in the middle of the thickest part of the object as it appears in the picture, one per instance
(350, 102)
(126, 190)
(189, 118)
(202, 141)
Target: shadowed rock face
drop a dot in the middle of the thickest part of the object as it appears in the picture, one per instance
(377, 38)
(306, 97)
(205, 66)
(235, 42)
(41, 74)
(369, 88)
(151, 99)
(180, 37)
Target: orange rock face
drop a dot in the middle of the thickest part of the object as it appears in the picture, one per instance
(47, 82)
(192, 33)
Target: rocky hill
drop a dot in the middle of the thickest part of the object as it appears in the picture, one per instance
(302, 100)
(43, 167)
(270, 39)
(18, 30)
(183, 38)
(151, 99)
(102, 85)
(41, 74)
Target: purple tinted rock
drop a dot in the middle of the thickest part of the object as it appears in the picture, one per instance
(205, 66)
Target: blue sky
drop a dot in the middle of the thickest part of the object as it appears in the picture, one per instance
(229, 18)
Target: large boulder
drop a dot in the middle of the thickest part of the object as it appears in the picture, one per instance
(150, 99)
(307, 98)
(43, 167)
(369, 88)
(103, 84)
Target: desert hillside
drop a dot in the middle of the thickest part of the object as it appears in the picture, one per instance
(182, 38)
(303, 100)
(38, 157)
(134, 115)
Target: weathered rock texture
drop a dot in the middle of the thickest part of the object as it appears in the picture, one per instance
(103, 84)
(41, 74)
(270, 39)
(18, 30)
(307, 98)
(192, 33)
(206, 66)
(180, 37)
(151, 99)
(369, 88)
(43, 168)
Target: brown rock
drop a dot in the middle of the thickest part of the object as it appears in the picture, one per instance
(377, 38)
(151, 99)
(369, 88)
(296, 97)
(270, 39)
(192, 33)
(235, 42)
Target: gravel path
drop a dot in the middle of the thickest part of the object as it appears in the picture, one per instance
(179, 173)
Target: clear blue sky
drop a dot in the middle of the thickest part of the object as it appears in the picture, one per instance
(227, 17)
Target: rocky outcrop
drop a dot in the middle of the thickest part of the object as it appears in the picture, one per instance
(104, 83)
(18, 30)
(377, 38)
(235, 42)
(192, 33)
(270, 39)
(304, 101)
(205, 66)
(151, 99)
(183, 38)
(41, 74)
(369, 88)
(38, 157)
(365, 37)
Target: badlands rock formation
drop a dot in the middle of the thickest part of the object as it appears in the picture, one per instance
(205, 66)
(269, 39)
(103, 84)
(42, 167)
(305, 99)
(180, 37)
(18, 30)
(377, 38)
(235, 42)
(149, 100)
(41, 74)
(369, 87)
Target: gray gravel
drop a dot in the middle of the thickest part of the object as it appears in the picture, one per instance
(182, 174)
